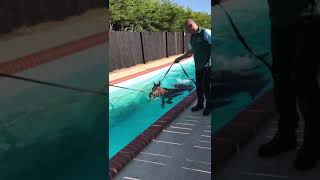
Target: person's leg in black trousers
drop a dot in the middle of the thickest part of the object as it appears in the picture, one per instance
(199, 90)
(206, 89)
(306, 71)
(283, 46)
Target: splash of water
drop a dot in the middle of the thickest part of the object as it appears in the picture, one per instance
(183, 81)
(238, 63)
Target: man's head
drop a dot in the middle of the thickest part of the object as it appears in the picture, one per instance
(190, 26)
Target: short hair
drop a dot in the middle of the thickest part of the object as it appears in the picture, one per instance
(189, 21)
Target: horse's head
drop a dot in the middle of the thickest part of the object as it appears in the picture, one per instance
(155, 91)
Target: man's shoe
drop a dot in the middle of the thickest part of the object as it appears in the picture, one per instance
(306, 159)
(277, 146)
(206, 112)
(197, 107)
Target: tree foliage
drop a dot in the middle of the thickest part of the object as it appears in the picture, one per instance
(152, 15)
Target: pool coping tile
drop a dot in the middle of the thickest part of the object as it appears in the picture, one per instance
(47, 55)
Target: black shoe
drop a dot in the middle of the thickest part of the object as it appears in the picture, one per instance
(277, 146)
(197, 107)
(206, 112)
(306, 159)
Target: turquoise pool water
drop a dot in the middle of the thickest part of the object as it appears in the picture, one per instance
(130, 112)
(52, 133)
(251, 18)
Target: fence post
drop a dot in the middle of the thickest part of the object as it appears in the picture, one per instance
(176, 42)
(183, 42)
(143, 58)
(167, 53)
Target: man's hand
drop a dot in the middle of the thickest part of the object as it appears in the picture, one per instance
(185, 55)
(215, 2)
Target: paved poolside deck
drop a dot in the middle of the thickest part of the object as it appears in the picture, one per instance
(181, 151)
(246, 164)
(243, 162)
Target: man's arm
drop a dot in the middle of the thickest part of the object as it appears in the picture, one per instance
(207, 35)
(185, 55)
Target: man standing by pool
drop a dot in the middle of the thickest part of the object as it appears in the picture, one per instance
(295, 27)
(200, 47)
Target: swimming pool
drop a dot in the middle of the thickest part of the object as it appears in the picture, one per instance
(248, 77)
(52, 132)
(131, 112)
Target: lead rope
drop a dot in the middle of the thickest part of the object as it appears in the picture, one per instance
(167, 72)
(126, 88)
(65, 86)
(100, 93)
(242, 40)
(187, 74)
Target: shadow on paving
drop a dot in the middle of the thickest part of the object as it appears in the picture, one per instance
(246, 164)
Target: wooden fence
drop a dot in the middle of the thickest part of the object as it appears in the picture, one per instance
(17, 13)
(127, 49)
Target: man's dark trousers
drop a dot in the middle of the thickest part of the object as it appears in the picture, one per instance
(295, 67)
(203, 85)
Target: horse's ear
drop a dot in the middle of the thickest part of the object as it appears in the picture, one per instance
(159, 83)
(154, 84)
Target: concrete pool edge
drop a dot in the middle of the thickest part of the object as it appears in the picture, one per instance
(130, 151)
(228, 140)
(51, 54)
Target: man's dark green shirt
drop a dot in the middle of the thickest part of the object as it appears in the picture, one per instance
(200, 43)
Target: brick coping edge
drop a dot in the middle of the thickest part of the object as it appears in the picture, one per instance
(47, 55)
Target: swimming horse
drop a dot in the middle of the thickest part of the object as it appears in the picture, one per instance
(167, 94)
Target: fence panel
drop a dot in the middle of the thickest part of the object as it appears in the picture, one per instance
(180, 42)
(186, 41)
(17, 13)
(136, 48)
(172, 43)
(124, 50)
(154, 45)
